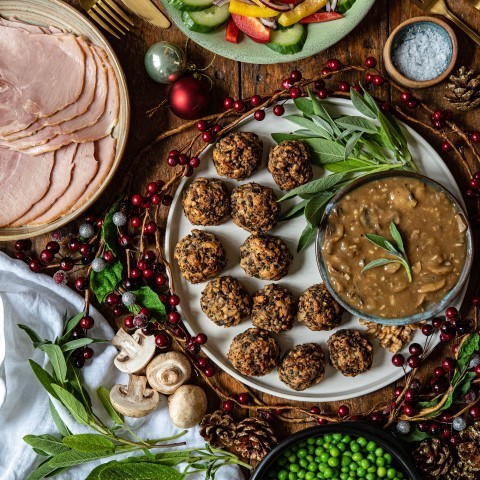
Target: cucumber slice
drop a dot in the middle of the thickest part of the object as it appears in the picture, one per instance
(344, 5)
(206, 21)
(288, 40)
(192, 5)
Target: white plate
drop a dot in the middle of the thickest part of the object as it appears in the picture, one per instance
(303, 272)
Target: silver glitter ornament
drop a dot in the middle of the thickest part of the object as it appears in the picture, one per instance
(403, 427)
(129, 299)
(86, 230)
(98, 264)
(140, 321)
(60, 277)
(459, 424)
(119, 219)
(474, 361)
(165, 62)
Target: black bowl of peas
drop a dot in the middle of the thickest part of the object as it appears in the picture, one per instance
(344, 451)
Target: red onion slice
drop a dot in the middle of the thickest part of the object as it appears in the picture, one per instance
(269, 22)
(327, 6)
(334, 5)
(220, 3)
(275, 6)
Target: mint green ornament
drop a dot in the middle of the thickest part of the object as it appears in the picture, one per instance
(165, 62)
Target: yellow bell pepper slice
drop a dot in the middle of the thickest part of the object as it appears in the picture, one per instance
(240, 8)
(304, 9)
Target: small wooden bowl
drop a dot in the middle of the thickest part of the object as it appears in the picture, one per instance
(390, 44)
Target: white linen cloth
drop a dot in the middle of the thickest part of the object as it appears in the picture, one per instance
(35, 300)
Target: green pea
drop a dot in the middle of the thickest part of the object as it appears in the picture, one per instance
(311, 441)
(388, 458)
(334, 452)
(379, 452)
(343, 476)
(310, 476)
(282, 475)
(381, 472)
(309, 458)
(302, 444)
(391, 473)
(365, 464)
(372, 469)
(362, 441)
(371, 446)
(337, 436)
(287, 453)
(361, 472)
(319, 451)
(303, 462)
(346, 460)
(380, 461)
(294, 467)
(322, 466)
(301, 474)
(328, 473)
(353, 467)
(357, 457)
(302, 453)
(354, 447)
(327, 445)
(311, 449)
(320, 475)
(328, 438)
(312, 467)
(341, 446)
(292, 476)
(371, 457)
(345, 469)
(292, 458)
(324, 457)
(319, 441)
(350, 478)
(347, 454)
(333, 461)
(370, 476)
(346, 439)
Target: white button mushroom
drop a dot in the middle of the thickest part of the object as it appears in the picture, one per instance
(135, 350)
(187, 406)
(168, 371)
(134, 400)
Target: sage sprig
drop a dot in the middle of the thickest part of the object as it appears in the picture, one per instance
(66, 450)
(398, 253)
(348, 147)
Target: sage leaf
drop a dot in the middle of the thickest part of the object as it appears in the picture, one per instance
(380, 242)
(282, 137)
(46, 443)
(140, 471)
(314, 209)
(351, 143)
(347, 132)
(44, 378)
(416, 436)
(306, 123)
(322, 112)
(397, 237)
(471, 345)
(89, 442)
(34, 337)
(359, 124)
(109, 229)
(378, 263)
(323, 124)
(386, 129)
(149, 299)
(104, 282)
(326, 151)
(361, 105)
(293, 212)
(369, 100)
(71, 325)
(57, 420)
(41, 472)
(316, 186)
(77, 343)
(304, 105)
(73, 457)
(76, 409)
(56, 358)
(350, 165)
(104, 396)
(307, 236)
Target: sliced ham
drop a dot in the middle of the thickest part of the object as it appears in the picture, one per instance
(67, 120)
(24, 180)
(27, 27)
(59, 182)
(39, 75)
(85, 166)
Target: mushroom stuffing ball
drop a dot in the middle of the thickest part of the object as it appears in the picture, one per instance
(350, 352)
(273, 309)
(238, 155)
(302, 367)
(318, 310)
(254, 352)
(290, 165)
(254, 207)
(200, 256)
(225, 301)
(265, 257)
(206, 202)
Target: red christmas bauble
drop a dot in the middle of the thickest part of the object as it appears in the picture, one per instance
(189, 98)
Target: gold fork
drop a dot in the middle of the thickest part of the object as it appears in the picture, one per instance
(439, 7)
(107, 13)
(474, 3)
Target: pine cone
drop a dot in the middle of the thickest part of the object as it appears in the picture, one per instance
(459, 471)
(468, 465)
(464, 89)
(433, 457)
(218, 429)
(254, 438)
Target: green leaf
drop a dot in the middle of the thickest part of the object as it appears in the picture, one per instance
(73, 457)
(46, 443)
(78, 343)
(34, 337)
(104, 396)
(293, 212)
(305, 105)
(389, 134)
(316, 186)
(381, 242)
(319, 121)
(282, 137)
(89, 442)
(140, 471)
(55, 355)
(71, 325)
(350, 165)
(306, 123)
(148, 298)
(109, 229)
(370, 101)
(398, 238)
(308, 235)
(59, 423)
(314, 209)
(416, 436)
(378, 263)
(104, 282)
(361, 105)
(351, 143)
(322, 112)
(44, 378)
(41, 472)
(464, 386)
(76, 409)
(359, 124)
(326, 151)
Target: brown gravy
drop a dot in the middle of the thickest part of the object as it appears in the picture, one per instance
(434, 238)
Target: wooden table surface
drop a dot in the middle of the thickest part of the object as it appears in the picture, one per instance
(243, 80)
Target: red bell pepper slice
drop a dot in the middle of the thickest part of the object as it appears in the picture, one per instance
(232, 33)
(321, 17)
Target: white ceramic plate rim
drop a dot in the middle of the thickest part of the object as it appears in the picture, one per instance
(256, 382)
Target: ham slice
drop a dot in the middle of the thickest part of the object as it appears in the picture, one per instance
(37, 81)
(100, 129)
(59, 182)
(66, 120)
(85, 167)
(27, 27)
(24, 180)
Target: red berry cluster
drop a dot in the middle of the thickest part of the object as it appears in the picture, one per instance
(409, 100)
(241, 106)
(439, 117)
(474, 190)
(183, 159)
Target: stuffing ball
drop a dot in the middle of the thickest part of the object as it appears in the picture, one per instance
(238, 155)
(254, 352)
(200, 256)
(350, 352)
(254, 208)
(265, 257)
(318, 310)
(273, 308)
(290, 165)
(206, 202)
(225, 301)
(302, 367)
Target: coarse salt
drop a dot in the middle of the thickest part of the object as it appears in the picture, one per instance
(423, 53)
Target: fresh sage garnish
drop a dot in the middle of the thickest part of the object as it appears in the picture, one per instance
(397, 252)
(347, 147)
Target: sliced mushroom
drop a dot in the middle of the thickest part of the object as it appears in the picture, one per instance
(462, 226)
(135, 350)
(432, 287)
(187, 406)
(134, 400)
(442, 269)
(168, 371)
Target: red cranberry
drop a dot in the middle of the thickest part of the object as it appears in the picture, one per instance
(84, 249)
(86, 322)
(334, 64)
(136, 222)
(343, 411)
(295, 92)
(415, 349)
(413, 361)
(386, 107)
(451, 312)
(239, 106)
(182, 159)
(371, 62)
(357, 88)
(150, 228)
(46, 256)
(422, 426)
(406, 97)
(474, 412)
(78, 333)
(35, 265)
(256, 100)
(446, 337)
(207, 136)
(319, 84)
(446, 417)
(398, 360)
(326, 72)
(455, 440)
(278, 110)
(201, 125)
(167, 200)
(369, 77)
(73, 245)
(201, 338)
(203, 362)
(112, 299)
(66, 264)
(437, 115)
(440, 385)
(194, 162)
(475, 136)
(209, 371)
(296, 75)
(437, 322)
(144, 311)
(228, 103)
(81, 284)
(412, 103)
(21, 256)
(173, 153)
(108, 256)
(439, 372)
(152, 188)
(135, 273)
(408, 409)
(128, 322)
(475, 183)
(315, 410)
(124, 241)
(477, 370)
(161, 280)
(434, 428)
(136, 200)
(344, 87)
(322, 421)
(322, 94)
(397, 391)
(148, 330)
(438, 124)
(53, 247)
(259, 115)
(446, 147)
(287, 83)
(228, 405)
(174, 300)
(427, 330)
(87, 353)
(21, 245)
(79, 362)
(243, 398)
(378, 80)
(174, 317)
(376, 417)
(447, 327)
(162, 340)
(410, 395)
